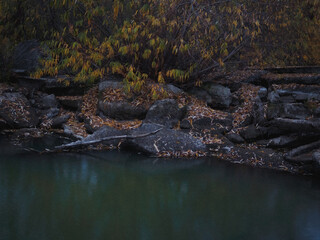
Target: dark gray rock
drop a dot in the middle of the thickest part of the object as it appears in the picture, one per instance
(283, 141)
(273, 97)
(49, 113)
(165, 112)
(110, 84)
(106, 131)
(303, 149)
(217, 125)
(316, 156)
(235, 138)
(122, 110)
(316, 112)
(58, 122)
(48, 101)
(72, 104)
(26, 56)
(166, 140)
(173, 89)
(16, 110)
(300, 95)
(263, 93)
(258, 112)
(185, 124)
(287, 110)
(297, 125)
(70, 133)
(3, 124)
(201, 94)
(221, 96)
(252, 133)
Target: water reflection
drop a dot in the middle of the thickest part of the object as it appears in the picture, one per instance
(112, 196)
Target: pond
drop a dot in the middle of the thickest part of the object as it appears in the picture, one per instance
(113, 195)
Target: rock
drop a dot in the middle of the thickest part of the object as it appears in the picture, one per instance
(215, 124)
(110, 84)
(202, 123)
(263, 93)
(273, 97)
(258, 112)
(221, 96)
(287, 110)
(316, 112)
(48, 101)
(106, 131)
(15, 109)
(165, 112)
(300, 95)
(303, 149)
(3, 124)
(252, 133)
(26, 56)
(58, 122)
(185, 124)
(235, 138)
(43, 101)
(316, 161)
(122, 110)
(201, 94)
(70, 133)
(173, 89)
(316, 156)
(283, 141)
(297, 125)
(166, 140)
(71, 103)
(49, 113)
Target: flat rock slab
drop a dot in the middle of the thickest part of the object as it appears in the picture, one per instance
(166, 140)
(297, 125)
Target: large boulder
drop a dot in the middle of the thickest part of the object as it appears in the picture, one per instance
(215, 95)
(15, 109)
(122, 110)
(166, 140)
(26, 56)
(165, 112)
(221, 96)
(44, 101)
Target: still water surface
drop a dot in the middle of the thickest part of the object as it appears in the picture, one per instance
(125, 196)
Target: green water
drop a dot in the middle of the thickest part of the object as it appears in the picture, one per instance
(125, 196)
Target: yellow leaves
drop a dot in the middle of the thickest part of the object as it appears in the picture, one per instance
(146, 54)
(123, 50)
(152, 42)
(160, 78)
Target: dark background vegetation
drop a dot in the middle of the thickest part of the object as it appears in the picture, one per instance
(166, 41)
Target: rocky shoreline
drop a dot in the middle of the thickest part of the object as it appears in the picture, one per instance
(257, 118)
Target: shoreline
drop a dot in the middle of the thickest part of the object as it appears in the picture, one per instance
(255, 118)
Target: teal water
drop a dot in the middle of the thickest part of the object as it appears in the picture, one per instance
(125, 196)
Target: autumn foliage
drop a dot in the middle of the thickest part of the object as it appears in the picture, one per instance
(161, 40)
